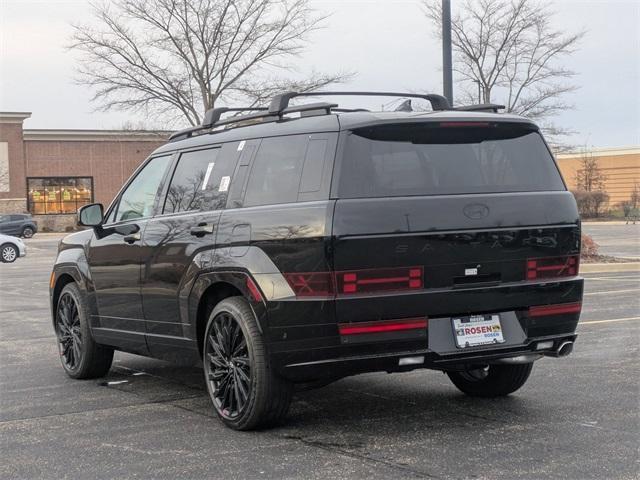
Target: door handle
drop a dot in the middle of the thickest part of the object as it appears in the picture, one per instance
(202, 229)
(134, 237)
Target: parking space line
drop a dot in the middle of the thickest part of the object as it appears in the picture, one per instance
(627, 319)
(613, 291)
(612, 279)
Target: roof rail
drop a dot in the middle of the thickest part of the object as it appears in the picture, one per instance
(212, 117)
(481, 107)
(280, 102)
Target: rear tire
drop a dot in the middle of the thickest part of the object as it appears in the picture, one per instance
(8, 253)
(491, 381)
(245, 391)
(80, 355)
(27, 232)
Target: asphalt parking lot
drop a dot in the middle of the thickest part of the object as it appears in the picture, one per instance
(576, 418)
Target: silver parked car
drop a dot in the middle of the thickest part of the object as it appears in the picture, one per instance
(11, 248)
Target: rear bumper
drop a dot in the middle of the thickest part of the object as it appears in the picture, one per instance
(420, 358)
(306, 345)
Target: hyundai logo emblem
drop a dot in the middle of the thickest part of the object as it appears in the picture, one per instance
(475, 211)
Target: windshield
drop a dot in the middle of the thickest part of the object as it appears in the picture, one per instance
(447, 158)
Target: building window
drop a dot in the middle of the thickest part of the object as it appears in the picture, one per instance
(56, 195)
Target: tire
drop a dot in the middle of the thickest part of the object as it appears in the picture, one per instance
(27, 232)
(8, 253)
(245, 391)
(80, 355)
(492, 381)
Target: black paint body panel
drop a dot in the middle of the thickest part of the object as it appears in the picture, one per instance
(147, 297)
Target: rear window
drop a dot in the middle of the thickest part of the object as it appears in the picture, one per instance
(447, 158)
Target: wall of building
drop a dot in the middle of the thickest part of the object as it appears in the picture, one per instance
(621, 167)
(109, 162)
(12, 167)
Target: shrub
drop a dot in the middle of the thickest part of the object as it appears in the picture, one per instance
(591, 204)
(588, 246)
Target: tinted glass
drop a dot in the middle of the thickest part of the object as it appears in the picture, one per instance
(410, 160)
(276, 170)
(138, 199)
(192, 185)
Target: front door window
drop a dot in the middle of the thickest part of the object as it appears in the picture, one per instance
(138, 199)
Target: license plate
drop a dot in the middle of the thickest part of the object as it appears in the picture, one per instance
(477, 330)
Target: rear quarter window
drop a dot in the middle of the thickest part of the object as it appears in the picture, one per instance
(429, 159)
(276, 171)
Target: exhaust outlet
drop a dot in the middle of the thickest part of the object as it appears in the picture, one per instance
(565, 349)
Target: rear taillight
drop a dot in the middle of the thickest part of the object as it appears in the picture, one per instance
(324, 284)
(312, 284)
(558, 309)
(382, 326)
(379, 280)
(552, 267)
(254, 290)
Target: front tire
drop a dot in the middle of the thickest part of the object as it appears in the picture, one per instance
(80, 355)
(245, 391)
(27, 232)
(8, 253)
(492, 380)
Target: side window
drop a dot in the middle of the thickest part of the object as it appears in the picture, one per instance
(275, 174)
(192, 186)
(138, 199)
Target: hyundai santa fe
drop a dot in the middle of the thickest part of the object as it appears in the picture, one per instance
(294, 245)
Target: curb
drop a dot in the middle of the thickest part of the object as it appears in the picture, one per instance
(609, 267)
(606, 222)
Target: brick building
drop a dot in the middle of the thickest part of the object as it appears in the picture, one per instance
(50, 173)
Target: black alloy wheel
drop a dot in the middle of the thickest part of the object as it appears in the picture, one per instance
(491, 380)
(227, 366)
(69, 332)
(244, 388)
(80, 355)
(27, 232)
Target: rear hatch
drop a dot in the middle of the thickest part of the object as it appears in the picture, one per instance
(446, 206)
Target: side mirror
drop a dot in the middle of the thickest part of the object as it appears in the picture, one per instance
(91, 215)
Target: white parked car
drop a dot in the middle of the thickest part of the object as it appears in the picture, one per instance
(11, 248)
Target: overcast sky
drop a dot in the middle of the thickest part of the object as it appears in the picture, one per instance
(388, 43)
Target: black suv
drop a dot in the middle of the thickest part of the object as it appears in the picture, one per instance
(296, 245)
(18, 225)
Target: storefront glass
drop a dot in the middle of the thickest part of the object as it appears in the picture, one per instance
(56, 195)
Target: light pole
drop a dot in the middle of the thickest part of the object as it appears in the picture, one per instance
(447, 73)
(479, 91)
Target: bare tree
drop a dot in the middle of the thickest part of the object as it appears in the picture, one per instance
(506, 51)
(589, 176)
(590, 193)
(635, 196)
(178, 58)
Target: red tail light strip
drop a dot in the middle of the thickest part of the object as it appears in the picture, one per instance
(382, 326)
(552, 267)
(254, 290)
(324, 284)
(382, 279)
(559, 309)
(311, 284)
(464, 124)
